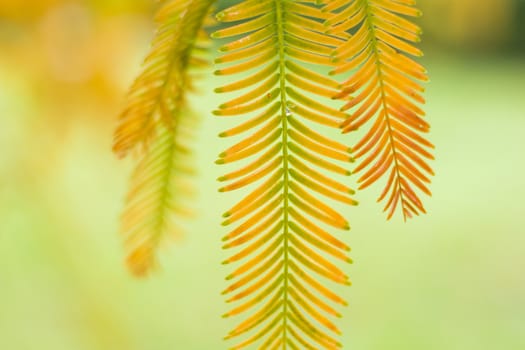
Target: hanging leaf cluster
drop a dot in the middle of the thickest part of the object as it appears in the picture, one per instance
(293, 72)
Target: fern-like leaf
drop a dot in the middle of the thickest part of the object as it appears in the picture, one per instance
(281, 239)
(157, 117)
(158, 184)
(387, 88)
(157, 91)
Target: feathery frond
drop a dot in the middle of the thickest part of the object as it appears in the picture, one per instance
(158, 90)
(387, 84)
(158, 184)
(280, 240)
(158, 118)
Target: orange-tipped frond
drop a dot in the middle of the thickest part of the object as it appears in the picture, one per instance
(385, 83)
(282, 237)
(158, 119)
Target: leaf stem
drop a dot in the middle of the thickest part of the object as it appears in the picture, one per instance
(284, 123)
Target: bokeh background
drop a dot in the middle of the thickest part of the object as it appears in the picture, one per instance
(453, 279)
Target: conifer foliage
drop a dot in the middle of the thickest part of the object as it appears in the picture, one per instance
(386, 82)
(285, 235)
(157, 125)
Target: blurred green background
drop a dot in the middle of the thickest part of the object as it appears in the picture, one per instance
(453, 279)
